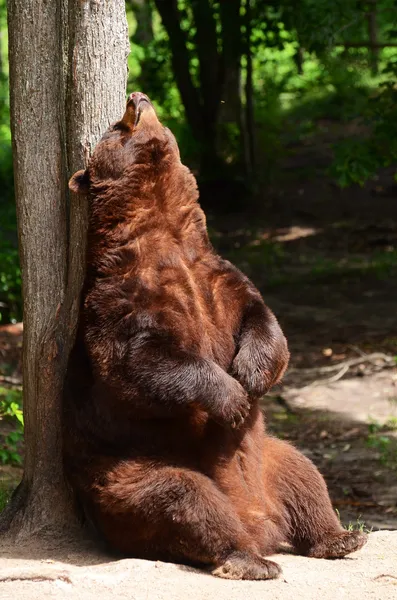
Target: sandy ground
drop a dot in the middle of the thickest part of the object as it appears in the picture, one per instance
(371, 573)
(355, 398)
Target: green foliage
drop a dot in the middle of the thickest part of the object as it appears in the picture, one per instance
(9, 453)
(264, 256)
(10, 274)
(11, 410)
(384, 444)
(356, 161)
(334, 84)
(260, 256)
(11, 404)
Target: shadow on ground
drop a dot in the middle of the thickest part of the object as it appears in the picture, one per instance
(357, 459)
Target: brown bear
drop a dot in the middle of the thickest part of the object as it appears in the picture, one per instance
(164, 441)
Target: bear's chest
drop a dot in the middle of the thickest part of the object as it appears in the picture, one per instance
(190, 302)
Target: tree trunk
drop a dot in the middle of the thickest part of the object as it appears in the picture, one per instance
(143, 36)
(207, 52)
(144, 26)
(201, 119)
(248, 113)
(67, 82)
(231, 54)
(170, 17)
(373, 37)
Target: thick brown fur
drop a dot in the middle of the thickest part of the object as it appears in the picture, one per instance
(164, 441)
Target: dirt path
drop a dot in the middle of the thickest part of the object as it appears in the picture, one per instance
(371, 573)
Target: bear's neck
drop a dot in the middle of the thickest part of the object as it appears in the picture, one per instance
(149, 236)
(149, 219)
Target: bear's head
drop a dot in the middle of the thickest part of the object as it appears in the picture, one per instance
(134, 154)
(139, 194)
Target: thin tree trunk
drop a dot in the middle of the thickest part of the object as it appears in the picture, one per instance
(144, 26)
(1, 55)
(67, 81)
(170, 17)
(248, 113)
(201, 121)
(299, 58)
(231, 53)
(209, 59)
(373, 37)
(230, 114)
(143, 36)
(220, 74)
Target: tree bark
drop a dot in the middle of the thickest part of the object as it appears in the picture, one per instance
(67, 83)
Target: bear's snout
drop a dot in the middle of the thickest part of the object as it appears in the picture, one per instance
(138, 98)
(137, 104)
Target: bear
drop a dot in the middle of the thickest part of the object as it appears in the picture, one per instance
(164, 442)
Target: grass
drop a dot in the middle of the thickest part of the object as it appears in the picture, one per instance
(358, 525)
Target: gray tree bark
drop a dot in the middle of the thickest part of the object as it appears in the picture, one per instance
(68, 73)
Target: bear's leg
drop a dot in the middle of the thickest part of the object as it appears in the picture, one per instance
(177, 514)
(295, 484)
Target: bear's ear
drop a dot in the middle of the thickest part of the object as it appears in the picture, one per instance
(79, 182)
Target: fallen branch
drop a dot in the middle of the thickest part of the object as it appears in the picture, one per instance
(344, 366)
(384, 576)
(352, 362)
(34, 575)
(357, 350)
(339, 375)
(355, 503)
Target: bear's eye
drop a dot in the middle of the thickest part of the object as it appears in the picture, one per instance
(120, 126)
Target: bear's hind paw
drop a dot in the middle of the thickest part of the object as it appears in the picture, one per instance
(339, 545)
(242, 565)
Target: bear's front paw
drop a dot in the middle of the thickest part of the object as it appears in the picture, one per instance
(255, 378)
(232, 407)
(258, 372)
